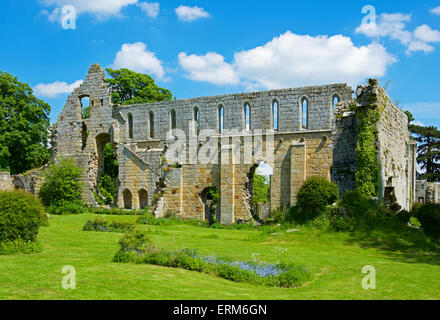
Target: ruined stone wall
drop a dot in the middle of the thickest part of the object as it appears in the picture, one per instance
(427, 192)
(396, 152)
(83, 139)
(320, 112)
(142, 136)
(5, 181)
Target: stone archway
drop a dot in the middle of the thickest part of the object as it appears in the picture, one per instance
(143, 198)
(210, 204)
(127, 198)
(258, 204)
(101, 141)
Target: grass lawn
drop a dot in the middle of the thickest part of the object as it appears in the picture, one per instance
(336, 259)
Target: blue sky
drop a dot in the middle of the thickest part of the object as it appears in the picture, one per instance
(199, 48)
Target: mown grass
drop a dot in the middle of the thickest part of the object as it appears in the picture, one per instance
(405, 269)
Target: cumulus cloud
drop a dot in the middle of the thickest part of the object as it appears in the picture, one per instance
(210, 68)
(99, 8)
(394, 26)
(52, 90)
(292, 60)
(136, 57)
(426, 34)
(189, 14)
(436, 10)
(150, 8)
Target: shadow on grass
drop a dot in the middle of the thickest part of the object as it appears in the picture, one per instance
(410, 246)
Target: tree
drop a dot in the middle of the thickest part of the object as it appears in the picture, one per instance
(62, 183)
(129, 87)
(428, 149)
(24, 127)
(260, 189)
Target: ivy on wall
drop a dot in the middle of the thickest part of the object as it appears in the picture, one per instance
(368, 166)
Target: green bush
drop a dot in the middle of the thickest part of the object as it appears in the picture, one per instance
(133, 245)
(20, 246)
(429, 218)
(302, 215)
(119, 212)
(102, 225)
(21, 215)
(61, 183)
(67, 208)
(357, 203)
(317, 193)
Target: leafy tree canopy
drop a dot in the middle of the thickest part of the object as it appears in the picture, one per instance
(129, 87)
(62, 183)
(24, 126)
(260, 189)
(428, 149)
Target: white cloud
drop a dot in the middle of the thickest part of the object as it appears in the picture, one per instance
(189, 14)
(150, 8)
(426, 34)
(436, 10)
(52, 90)
(419, 46)
(394, 26)
(99, 8)
(210, 68)
(136, 57)
(292, 60)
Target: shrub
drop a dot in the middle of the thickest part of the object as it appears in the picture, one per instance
(355, 203)
(21, 215)
(119, 212)
(61, 183)
(301, 215)
(102, 225)
(317, 193)
(132, 246)
(67, 208)
(20, 246)
(429, 218)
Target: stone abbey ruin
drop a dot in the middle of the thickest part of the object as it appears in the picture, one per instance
(299, 132)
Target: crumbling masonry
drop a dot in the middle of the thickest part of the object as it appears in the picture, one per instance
(305, 132)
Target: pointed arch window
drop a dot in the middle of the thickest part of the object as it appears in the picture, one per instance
(305, 113)
(130, 126)
(335, 101)
(173, 121)
(275, 115)
(197, 120)
(247, 118)
(151, 125)
(221, 119)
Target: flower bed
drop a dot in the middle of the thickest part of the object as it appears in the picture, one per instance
(136, 247)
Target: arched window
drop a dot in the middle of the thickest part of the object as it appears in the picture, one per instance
(221, 119)
(173, 121)
(247, 118)
(305, 113)
(143, 198)
(151, 132)
(130, 126)
(335, 101)
(127, 198)
(197, 119)
(275, 115)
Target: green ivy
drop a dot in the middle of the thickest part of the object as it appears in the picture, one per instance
(367, 168)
